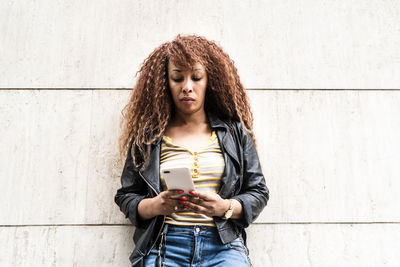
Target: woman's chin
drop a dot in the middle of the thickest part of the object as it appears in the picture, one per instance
(190, 110)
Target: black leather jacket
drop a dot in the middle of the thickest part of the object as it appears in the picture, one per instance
(242, 179)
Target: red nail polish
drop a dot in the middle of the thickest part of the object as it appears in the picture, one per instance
(193, 193)
(180, 191)
(182, 201)
(186, 207)
(183, 198)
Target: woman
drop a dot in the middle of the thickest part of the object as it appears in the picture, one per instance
(189, 109)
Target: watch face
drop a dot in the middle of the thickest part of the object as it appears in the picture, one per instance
(229, 213)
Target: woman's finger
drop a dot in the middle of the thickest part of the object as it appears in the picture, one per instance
(200, 209)
(206, 196)
(195, 200)
(170, 193)
(193, 207)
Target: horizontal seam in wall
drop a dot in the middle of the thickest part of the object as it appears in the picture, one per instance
(249, 89)
(266, 223)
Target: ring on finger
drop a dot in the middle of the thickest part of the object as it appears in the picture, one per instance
(175, 208)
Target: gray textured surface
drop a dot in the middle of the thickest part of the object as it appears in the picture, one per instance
(330, 245)
(275, 44)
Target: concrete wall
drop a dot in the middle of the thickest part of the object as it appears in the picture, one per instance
(323, 79)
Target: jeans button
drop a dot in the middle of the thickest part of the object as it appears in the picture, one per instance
(197, 229)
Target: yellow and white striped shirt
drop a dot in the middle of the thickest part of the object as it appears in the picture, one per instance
(206, 165)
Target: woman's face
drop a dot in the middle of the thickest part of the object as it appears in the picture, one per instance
(188, 88)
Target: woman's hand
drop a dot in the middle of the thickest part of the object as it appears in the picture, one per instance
(162, 204)
(210, 204)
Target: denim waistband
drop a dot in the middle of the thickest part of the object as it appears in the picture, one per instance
(194, 229)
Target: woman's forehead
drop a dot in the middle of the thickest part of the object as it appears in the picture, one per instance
(174, 66)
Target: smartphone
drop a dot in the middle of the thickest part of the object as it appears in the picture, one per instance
(179, 178)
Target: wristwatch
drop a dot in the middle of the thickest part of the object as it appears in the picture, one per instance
(229, 212)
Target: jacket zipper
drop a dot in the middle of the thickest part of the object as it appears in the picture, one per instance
(162, 226)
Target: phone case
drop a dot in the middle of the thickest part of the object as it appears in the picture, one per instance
(178, 178)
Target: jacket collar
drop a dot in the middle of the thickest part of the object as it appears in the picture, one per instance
(215, 122)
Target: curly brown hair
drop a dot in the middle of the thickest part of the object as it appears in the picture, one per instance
(150, 107)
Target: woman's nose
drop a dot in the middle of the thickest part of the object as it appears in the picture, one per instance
(188, 86)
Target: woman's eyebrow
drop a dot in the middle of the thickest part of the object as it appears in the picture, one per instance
(178, 70)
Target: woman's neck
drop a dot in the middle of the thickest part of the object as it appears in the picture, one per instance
(197, 118)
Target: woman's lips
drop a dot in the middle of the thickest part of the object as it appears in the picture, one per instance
(187, 99)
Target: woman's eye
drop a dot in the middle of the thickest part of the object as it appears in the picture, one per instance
(181, 79)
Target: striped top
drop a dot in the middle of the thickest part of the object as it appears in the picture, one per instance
(206, 165)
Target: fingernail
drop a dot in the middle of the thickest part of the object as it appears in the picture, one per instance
(182, 201)
(180, 191)
(186, 207)
(183, 198)
(193, 193)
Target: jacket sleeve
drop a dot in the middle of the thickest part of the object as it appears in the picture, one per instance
(254, 193)
(133, 190)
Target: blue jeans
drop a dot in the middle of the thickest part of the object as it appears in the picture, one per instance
(196, 246)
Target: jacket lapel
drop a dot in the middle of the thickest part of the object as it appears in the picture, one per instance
(225, 137)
